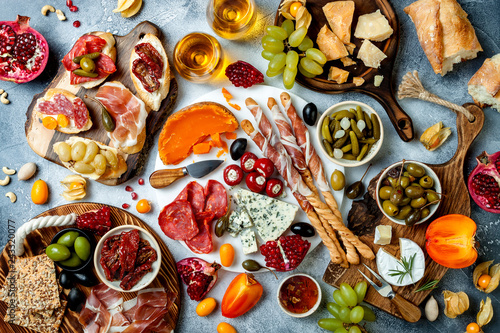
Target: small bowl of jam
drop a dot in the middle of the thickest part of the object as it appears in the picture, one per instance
(299, 295)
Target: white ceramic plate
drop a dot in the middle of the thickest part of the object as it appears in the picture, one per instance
(260, 93)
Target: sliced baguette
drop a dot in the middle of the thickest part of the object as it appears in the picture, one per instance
(153, 100)
(109, 50)
(484, 86)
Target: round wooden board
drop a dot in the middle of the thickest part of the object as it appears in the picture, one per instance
(37, 240)
(384, 94)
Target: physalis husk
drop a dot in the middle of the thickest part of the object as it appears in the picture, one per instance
(75, 187)
(435, 136)
(455, 303)
(484, 268)
(485, 313)
(303, 17)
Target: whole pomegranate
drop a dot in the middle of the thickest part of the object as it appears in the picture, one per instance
(484, 182)
(23, 51)
(199, 275)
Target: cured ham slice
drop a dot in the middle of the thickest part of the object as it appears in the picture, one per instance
(216, 198)
(129, 113)
(202, 242)
(177, 221)
(95, 316)
(194, 193)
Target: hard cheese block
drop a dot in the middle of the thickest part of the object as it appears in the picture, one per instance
(248, 241)
(373, 26)
(383, 234)
(270, 216)
(370, 54)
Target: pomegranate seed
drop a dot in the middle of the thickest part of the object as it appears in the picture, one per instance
(69, 3)
(125, 206)
(134, 196)
(76, 24)
(141, 181)
(129, 189)
(73, 8)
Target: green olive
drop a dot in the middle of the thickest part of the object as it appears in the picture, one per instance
(418, 202)
(413, 218)
(415, 170)
(57, 252)
(385, 192)
(87, 65)
(426, 182)
(415, 184)
(337, 180)
(414, 192)
(397, 195)
(251, 265)
(405, 182)
(405, 201)
(68, 239)
(393, 181)
(390, 208)
(425, 212)
(221, 225)
(73, 261)
(432, 196)
(404, 212)
(82, 248)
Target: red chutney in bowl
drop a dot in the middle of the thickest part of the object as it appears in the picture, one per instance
(299, 294)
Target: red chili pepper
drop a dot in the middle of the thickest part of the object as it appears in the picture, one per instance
(233, 175)
(241, 295)
(255, 182)
(265, 167)
(274, 187)
(248, 161)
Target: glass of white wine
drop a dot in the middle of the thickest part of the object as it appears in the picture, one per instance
(231, 19)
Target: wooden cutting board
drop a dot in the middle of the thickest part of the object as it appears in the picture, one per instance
(365, 216)
(41, 139)
(384, 94)
(38, 240)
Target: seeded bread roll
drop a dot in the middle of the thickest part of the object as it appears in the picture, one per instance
(484, 86)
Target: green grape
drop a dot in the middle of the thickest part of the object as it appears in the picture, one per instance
(311, 66)
(340, 330)
(271, 39)
(348, 294)
(272, 73)
(288, 26)
(329, 324)
(354, 329)
(357, 314)
(277, 62)
(316, 55)
(369, 314)
(337, 296)
(288, 86)
(304, 72)
(334, 309)
(272, 44)
(297, 36)
(289, 77)
(307, 43)
(345, 315)
(276, 32)
(360, 290)
(292, 59)
(267, 55)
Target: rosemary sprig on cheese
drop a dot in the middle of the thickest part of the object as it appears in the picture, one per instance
(407, 266)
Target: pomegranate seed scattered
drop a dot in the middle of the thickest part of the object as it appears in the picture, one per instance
(141, 181)
(129, 189)
(76, 24)
(73, 8)
(69, 3)
(134, 196)
(125, 206)
(242, 74)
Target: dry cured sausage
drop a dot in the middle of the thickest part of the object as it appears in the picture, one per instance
(216, 198)
(177, 221)
(194, 193)
(202, 243)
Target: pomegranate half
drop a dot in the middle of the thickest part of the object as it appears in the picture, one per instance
(484, 182)
(23, 51)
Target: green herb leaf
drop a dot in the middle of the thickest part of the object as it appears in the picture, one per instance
(407, 265)
(429, 285)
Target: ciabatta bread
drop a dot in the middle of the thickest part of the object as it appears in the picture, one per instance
(444, 32)
(152, 99)
(109, 50)
(484, 86)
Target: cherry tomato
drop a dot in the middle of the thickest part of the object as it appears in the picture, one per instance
(484, 281)
(473, 328)
(226, 253)
(143, 206)
(274, 187)
(241, 295)
(205, 307)
(233, 175)
(39, 192)
(294, 8)
(248, 161)
(255, 182)
(265, 167)
(225, 328)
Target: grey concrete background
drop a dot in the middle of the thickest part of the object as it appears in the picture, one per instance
(176, 18)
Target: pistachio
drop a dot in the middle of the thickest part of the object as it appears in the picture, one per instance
(455, 303)
(493, 272)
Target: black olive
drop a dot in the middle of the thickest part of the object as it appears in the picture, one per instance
(87, 279)
(76, 299)
(238, 148)
(65, 280)
(303, 229)
(310, 114)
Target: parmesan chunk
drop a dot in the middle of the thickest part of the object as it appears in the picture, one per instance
(377, 80)
(370, 54)
(338, 75)
(358, 81)
(346, 61)
(339, 16)
(331, 46)
(373, 26)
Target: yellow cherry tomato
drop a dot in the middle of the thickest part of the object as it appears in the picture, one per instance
(143, 206)
(484, 281)
(294, 8)
(39, 192)
(205, 307)
(226, 253)
(225, 328)
(473, 328)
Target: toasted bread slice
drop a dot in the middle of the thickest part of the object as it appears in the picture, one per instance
(109, 50)
(484, 86)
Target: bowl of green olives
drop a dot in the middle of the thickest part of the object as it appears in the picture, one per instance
(71, 249)
(350, 133)
(409, 197)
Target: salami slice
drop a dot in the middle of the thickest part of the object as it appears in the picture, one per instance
(216, 201)
(194, 193)
(177, 220)
(84, 45)
(62, 105)
(202, 243)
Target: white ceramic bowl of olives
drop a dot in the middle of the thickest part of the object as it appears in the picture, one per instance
(337, 145)
(418, 197)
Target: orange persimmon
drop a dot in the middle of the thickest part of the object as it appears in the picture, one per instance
(450, 241)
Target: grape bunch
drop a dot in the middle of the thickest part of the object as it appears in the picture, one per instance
(289, 50)
(347, 310)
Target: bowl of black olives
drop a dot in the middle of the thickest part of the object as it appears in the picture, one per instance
(350, 133)
(408, 193)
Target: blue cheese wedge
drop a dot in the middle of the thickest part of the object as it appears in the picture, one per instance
(239, 220)
(248, 241)
(270, 216)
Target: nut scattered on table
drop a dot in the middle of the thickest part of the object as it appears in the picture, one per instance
(11, 196)
(27, 171)
(47, 8)
(5, 181)
(3, 98)
(60, 15)
(8, 171)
